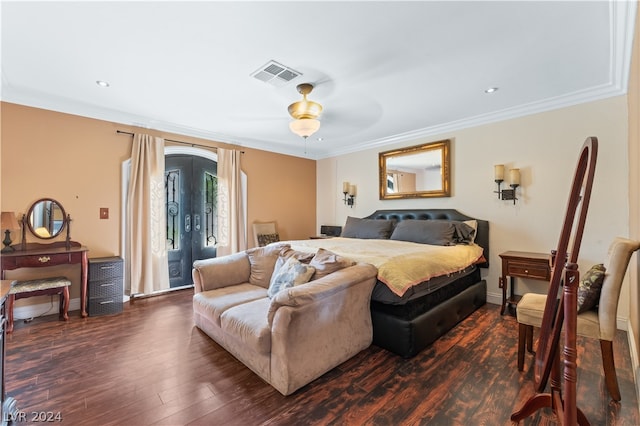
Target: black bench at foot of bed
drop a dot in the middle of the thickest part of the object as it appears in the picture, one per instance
(406, 336)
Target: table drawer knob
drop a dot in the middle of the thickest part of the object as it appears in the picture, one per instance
(44, 259)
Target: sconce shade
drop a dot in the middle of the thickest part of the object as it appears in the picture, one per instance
(514, 182)
(349, 191)
(8, 221)
(304, 127)
(514, 177)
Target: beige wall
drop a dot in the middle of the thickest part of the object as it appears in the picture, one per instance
(545, 147)
(77, 161)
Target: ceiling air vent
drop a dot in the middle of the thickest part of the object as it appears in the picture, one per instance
(275, 73)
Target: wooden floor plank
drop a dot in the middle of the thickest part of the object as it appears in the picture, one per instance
(151, 366)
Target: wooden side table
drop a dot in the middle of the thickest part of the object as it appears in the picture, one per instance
(536, 266)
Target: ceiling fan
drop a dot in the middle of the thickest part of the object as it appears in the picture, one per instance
(305, 113)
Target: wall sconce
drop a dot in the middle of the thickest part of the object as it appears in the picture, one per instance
(349, 192)
(514, 178)
(8, 223)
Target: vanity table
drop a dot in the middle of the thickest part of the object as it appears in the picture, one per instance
(46, 220)
(38, 255)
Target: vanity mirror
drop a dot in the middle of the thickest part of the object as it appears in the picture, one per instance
(46, 219)
(416, 172)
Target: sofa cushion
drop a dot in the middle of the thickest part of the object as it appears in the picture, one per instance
(327, 262)
(213, 303)
(263, 261)
(248, 323)
(292, 272)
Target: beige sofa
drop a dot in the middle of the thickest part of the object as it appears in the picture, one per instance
(298, 335)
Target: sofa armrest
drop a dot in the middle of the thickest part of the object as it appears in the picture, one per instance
(319, 325)
(209, 274)
(323, 288)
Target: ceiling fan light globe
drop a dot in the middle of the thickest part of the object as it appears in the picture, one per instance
(304, 127)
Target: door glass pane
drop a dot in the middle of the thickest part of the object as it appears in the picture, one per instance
(210, 209)
(172, 194)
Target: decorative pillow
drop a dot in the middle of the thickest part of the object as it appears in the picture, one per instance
(589, 288)
(326, 262)
(291, 273)
(434, 232)
(367, 228)
(464, 233)
(474, 225)
(264, 239)
(302, 256)
(263, 261)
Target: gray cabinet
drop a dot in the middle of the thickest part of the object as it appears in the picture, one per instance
(106, 286)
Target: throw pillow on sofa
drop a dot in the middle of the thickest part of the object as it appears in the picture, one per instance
(327, 262)
(263, 261)
(290, 274)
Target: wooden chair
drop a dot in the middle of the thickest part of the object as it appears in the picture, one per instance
(600, 324)
(265, 233)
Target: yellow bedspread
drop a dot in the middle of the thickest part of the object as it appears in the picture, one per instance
(400, 264)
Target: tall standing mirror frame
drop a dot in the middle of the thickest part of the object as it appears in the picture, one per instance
(420, 171)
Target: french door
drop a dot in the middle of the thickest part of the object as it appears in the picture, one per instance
(190, 200)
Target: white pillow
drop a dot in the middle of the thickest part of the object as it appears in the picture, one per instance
(291, 273)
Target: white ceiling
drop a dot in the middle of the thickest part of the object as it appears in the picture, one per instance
(384, 71)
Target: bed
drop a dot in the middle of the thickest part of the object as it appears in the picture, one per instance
(413, 312)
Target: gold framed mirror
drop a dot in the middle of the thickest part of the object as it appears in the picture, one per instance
(419, 171)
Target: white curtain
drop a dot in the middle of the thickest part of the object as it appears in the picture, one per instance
(147, 263)
(232, 237)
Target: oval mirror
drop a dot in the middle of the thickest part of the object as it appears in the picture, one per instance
(416, 171)
(46, 218)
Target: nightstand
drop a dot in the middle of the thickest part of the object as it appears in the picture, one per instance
(535, 266)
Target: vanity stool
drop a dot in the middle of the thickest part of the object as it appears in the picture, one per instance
(39, 287)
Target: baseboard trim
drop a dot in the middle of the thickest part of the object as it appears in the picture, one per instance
(42, 309)
(635, 360)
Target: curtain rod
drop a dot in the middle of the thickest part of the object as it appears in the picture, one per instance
(175, 141)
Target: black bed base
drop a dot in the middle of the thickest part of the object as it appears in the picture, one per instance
(407, 337)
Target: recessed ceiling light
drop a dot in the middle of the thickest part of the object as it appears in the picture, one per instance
(491, 90)
(102, 83)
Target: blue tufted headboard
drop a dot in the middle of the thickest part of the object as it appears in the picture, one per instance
(482, 233)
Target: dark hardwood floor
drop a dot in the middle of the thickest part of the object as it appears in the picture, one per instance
(150, 365)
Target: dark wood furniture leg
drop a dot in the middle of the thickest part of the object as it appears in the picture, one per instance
(10, 301)
(609, 367)
(530, 339)
(522, 335)
(64, 304)
(83, 286)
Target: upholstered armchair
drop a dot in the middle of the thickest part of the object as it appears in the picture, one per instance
(597, 323)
